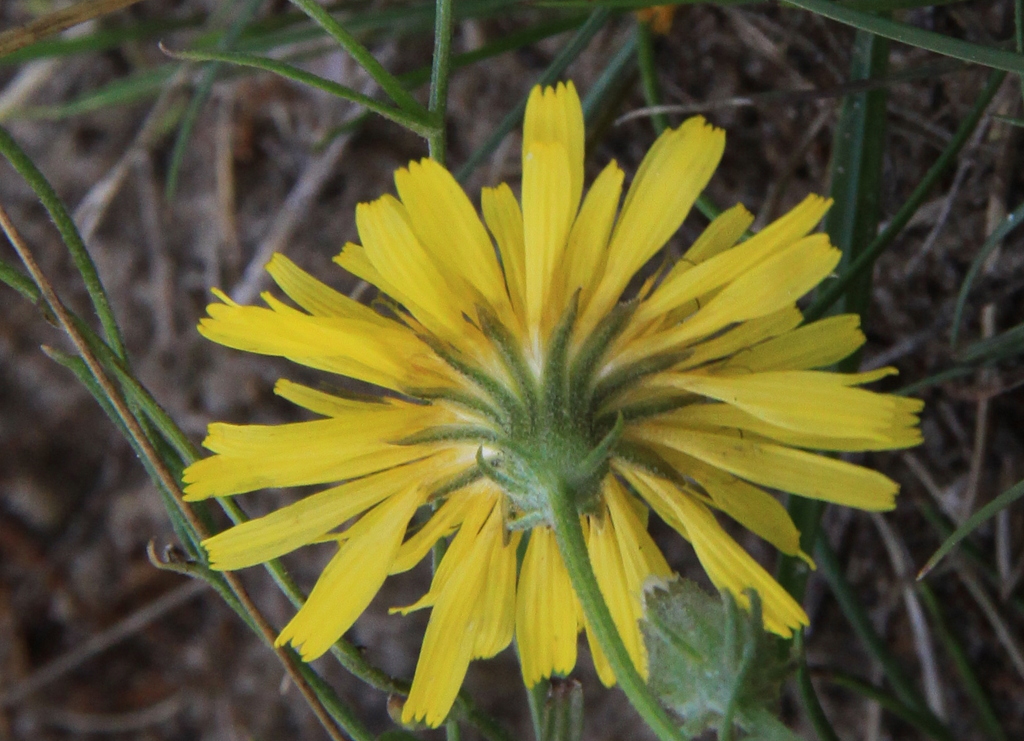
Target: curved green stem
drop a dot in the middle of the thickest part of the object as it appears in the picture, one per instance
(573, 548)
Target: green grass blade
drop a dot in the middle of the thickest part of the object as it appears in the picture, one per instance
(1007, 345)
(1007, 225)
(558, 65)
(1007, 61)
(972, 523)
(20, 282)
(835, 289)
(964, 667)
(388, 82)
(610, 80)
(809, 698)
(201, 94)
(649, 73)
(69, 233)
(415, 123)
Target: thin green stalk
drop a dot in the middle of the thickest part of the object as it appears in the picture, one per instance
(69, 233)
(835, 289)
(649, 73)
(439, 73)
(57, 21)
(962, 662)
(558, 65)
(812, 706)
(417, 122)
(967, 51)
(388, 82)
(1013, 219)
(18, 281)
(573, 547)
(452, 731)
(610, 79)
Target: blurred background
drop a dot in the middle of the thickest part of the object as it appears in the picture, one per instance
(182, 178)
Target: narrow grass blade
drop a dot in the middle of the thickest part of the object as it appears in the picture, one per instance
(835, 289)
(201, 93)
(1007, 61)
(388, 82)
(18, 281)
(610, 79)
(972, 523)
(69, 233)
(1007, 345)
(414, 123)
(184, 532)
(558, 65)
(1013, 219)
(649, 73)
(57, 21)
(964, 667)
(809, 698)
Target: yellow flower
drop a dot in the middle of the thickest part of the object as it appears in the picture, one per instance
(548, 363)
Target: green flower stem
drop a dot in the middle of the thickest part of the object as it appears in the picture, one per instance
(822, 728)
(439, 72)
(573, 548)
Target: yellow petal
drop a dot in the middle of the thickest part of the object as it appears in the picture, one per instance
(451, 633)
(546, 611)
(447, 225)
(810, 402)
(316, 297)
(352, 578)
(264, 456)
(773, 284)
(588, 241)
(671, 176)
(496, 607)
(303, 522)
(505, 220)
(620, 592)
(393, 249)
(479, 509)
(441, 524)
(744, 337)
(723, 417)
(729, 566)
(721, 234)
(546, 219)
(317, 401)
(353, 259)
(779, 467)
(382, 355)
(815, 345)
(555, 116)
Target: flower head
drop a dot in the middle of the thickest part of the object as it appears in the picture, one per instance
(534, 356)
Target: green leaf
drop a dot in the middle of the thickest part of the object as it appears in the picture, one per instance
(972, 523)
(712, 664)
(911, 35)
(1007, 225)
